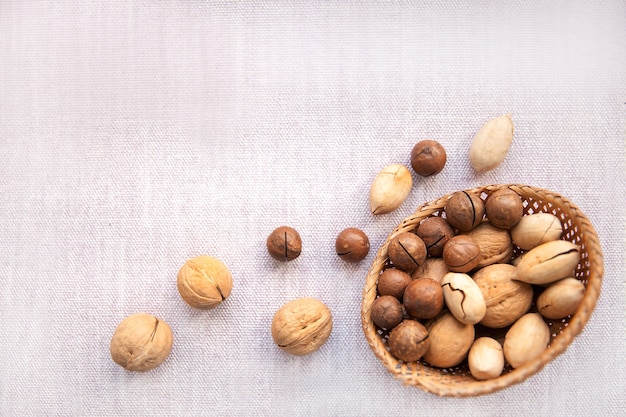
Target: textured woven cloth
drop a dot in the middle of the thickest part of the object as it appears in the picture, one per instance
(135, 135)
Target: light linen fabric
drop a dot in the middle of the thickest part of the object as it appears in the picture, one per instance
(137, 134)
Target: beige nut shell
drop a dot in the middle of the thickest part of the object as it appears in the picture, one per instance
(204, 282)
(527, 338)
(141, 342)
(390, 188)
(485, 358)
(302, 326)
(561, 298)
(450, 340)
(491, 143)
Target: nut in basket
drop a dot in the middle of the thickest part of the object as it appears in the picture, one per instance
(495, 300)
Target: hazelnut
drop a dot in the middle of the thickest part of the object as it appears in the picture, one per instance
(435, 232)
(464, 210)
(428, 158)
(387, 312)
(352, 245)
(141, 342)
(504, 208)
(204, 282)
(423, 298)
(393, 281)
(407, 251)
(284, 244)
(461, 253)
(301, 326)
(408, 341)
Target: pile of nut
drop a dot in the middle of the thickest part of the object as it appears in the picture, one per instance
(454, 279)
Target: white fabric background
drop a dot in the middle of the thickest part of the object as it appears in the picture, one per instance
(137, 134)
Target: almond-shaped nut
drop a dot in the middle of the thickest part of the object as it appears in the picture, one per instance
(561, 299)
(535, 229)
(463, 298)
(390, 188)
(485, 358)
(450, 340)
(526, 339)
(491, 143)
(495, 244)
(549, 262)
(507, 299)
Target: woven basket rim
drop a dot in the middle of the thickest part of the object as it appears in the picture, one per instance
(421, 376)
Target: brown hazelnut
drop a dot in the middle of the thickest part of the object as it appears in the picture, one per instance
(464, 210)
(435, 232)
(407, 251)
(504, 208)
(408, 341)
(386, 312)
(393, 281)
(141, 342)
(423, 298)
(461, 253)
(428, 158)
(352, 245)
(284, 244)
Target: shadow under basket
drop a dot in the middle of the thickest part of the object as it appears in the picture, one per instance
(457, 381)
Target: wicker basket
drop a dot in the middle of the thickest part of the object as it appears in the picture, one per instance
(457, 381)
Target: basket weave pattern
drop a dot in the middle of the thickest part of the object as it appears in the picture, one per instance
(458, 381)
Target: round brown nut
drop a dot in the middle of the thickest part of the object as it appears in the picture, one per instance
(408, 341)
(386, 312)
(464, 210)
(204, 282)
(301, 326)
(407, 251)
(435, 232)
(352, 245)
(428, 158)
(423, 298)
(504, 208)
(284, 244)
(461, 253)
(507, 299)
(141, 342)
(393, 281)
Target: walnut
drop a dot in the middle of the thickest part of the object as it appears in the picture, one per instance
(204, 282)
(302, 326)
(141, 342)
